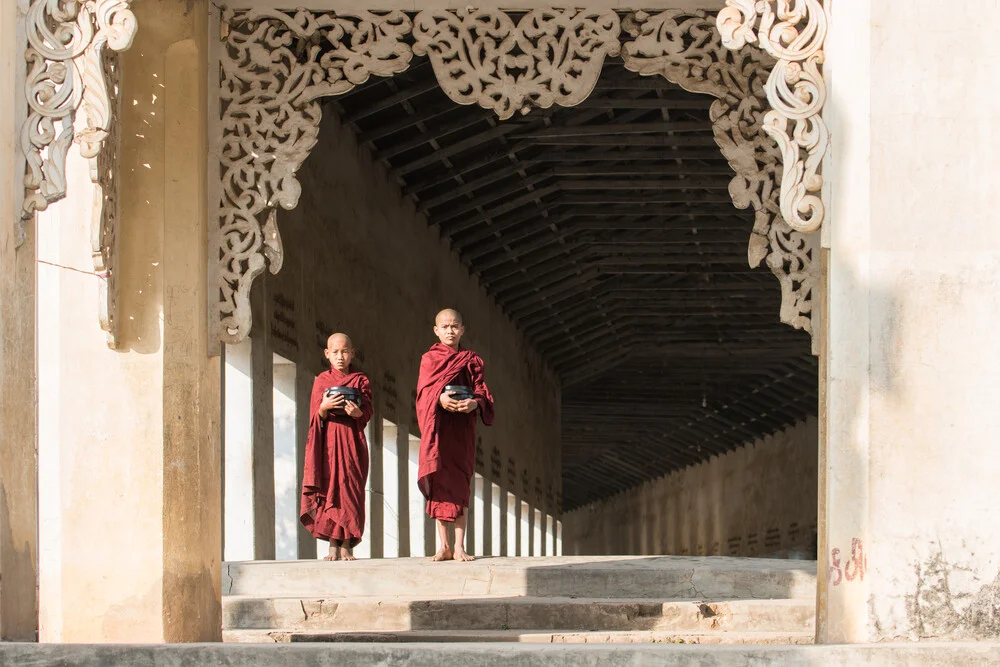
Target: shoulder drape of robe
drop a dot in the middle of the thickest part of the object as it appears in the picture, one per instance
(336, 464)
(448, 440)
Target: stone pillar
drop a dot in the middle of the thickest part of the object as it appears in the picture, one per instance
(131, 546)
(374, 532)
(497, 521)
(18, 388)
(390, 490)
(418, 532)
(910, 391)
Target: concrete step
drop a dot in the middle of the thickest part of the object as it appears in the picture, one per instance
(519, 613)
(634, 577)
(521, 636)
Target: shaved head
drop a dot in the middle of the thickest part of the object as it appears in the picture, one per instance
(448, 313)
(338, 340)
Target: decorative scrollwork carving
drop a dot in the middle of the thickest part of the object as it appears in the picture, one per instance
(71, 88)
(793, 32)
(65, 87)
(685, 48)
(550, 56)
(274, 69)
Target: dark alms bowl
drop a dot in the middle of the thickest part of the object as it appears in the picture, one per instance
(349, 393)
(459, 392)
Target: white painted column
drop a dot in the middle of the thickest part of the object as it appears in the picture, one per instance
(238, 502)
(550, 535)
(371, 541)
(908, 402)
(390, 490)
(559, 538)
(286, 489)
(418, 537)
(538, 533)
(512, 526)
(482, 514)
(497, 521)
(524, 546)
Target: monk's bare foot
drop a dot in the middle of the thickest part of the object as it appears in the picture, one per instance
(462, 556)
(333, 555)
(346, 553)
(443, 554)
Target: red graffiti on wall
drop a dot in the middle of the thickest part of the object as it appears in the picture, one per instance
(855, 568)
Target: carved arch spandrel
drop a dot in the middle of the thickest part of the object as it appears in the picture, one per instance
(274, 68)
(687, 49)
(71, 89)
(276, 65)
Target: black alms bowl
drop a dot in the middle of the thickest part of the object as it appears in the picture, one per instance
(349, 393)
(459, 392)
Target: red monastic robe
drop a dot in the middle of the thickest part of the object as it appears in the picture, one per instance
(336, 464)
(448, 439)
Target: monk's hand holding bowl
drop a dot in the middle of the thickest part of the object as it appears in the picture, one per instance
(351, 409)
(330, 402)
(468, 405)
(449, 403)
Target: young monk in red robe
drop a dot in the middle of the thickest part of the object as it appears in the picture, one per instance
(448, 430)
(336, 461)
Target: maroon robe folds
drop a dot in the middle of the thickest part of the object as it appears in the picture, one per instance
(448, 439)
(336, 464)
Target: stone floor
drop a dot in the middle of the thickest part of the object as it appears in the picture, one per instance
(571, 600)
(519, 655)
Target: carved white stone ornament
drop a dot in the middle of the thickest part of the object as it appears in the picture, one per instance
(549, 56)
(276, 65)
(71, 91)
(686, 49)
(793, 32)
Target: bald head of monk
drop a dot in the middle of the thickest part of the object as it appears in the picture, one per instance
(339, 352)
(448, 327)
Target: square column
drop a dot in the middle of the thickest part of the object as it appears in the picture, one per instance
(18, 385)
(909, 465)
(131, 451)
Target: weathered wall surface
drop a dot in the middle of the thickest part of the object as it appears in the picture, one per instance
(759, 500)
(913, 315)
(359, 259)
(130, 503)
(18, 389)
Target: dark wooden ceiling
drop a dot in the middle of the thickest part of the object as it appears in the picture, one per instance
(606, 232)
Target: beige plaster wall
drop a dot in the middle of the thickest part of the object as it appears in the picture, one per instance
(18, 512)
(359, 259)
(130, 468)
(911, 391)
(759, 500)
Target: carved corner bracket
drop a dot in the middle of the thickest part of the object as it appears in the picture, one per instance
(793, 32)
(71, 87)
(686, 49)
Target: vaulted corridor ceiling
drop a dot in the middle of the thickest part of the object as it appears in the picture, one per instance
(607, 233)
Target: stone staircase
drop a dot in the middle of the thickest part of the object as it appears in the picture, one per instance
(628, 599)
